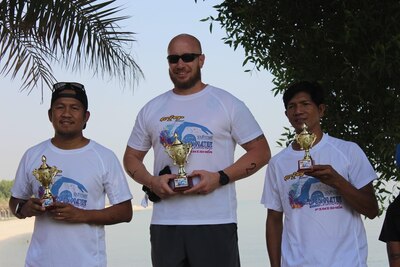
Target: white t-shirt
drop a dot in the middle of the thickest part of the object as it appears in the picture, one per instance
(88, 175)
(213, 121)
(320, 229)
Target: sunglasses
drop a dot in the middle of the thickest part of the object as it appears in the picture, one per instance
(185, 58)
(67, 85)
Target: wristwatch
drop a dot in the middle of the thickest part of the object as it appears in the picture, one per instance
(18, 209)
(223, 178)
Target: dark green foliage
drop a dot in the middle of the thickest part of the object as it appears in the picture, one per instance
(351, 47)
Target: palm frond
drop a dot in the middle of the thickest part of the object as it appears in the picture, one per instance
(35, 34)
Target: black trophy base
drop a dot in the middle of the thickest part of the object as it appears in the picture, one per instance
(180, 183)
(305, 165)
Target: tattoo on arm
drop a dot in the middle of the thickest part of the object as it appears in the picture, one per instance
(253, 165)
(131, 174)
(249, 170)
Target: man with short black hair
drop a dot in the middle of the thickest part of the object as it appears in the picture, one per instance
(70, 231)
(314, 212)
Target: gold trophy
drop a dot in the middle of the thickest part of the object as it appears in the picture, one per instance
(45, 175)
(305, 139)
(179, 152)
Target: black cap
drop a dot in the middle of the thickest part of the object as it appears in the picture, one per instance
(79, 92)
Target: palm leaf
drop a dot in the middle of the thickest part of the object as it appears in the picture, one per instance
(36, 34)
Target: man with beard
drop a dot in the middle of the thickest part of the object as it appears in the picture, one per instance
(196, 226)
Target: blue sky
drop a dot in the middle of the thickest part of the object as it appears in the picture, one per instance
(113, 108)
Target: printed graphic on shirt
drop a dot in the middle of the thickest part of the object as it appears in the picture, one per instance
(198, 135)
(68, 190)
(309, 191)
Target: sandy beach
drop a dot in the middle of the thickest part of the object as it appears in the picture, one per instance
(15, 236)
(14, 227)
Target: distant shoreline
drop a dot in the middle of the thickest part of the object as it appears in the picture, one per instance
(13, 227)
(13, 218)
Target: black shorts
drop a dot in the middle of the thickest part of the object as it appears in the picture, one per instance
(194, 245)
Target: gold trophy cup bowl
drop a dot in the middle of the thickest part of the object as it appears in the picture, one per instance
(45, 175)
(306, 140)
(179, 153)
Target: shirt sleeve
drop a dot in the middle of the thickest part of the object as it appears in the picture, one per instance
(22, 187)
(116, 184)
(270, 196)
(361, 171)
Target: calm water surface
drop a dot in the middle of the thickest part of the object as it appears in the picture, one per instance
(129, 245)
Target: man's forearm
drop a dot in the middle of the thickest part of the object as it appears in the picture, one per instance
(139, 173)
(114, 214)
(257, 156)
(274, 247)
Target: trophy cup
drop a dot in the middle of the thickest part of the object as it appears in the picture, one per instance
(305, 139)
(45, 175)
(179, 153)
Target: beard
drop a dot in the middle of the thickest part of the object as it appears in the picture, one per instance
(186, 84)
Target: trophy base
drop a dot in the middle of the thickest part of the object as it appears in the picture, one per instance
(305, 165)
(180, 183)
(48, 202)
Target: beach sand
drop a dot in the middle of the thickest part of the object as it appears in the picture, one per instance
(15, 236)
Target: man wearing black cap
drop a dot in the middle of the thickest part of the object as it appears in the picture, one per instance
(70, 232)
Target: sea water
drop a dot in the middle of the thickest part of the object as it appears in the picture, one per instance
(128, 244)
